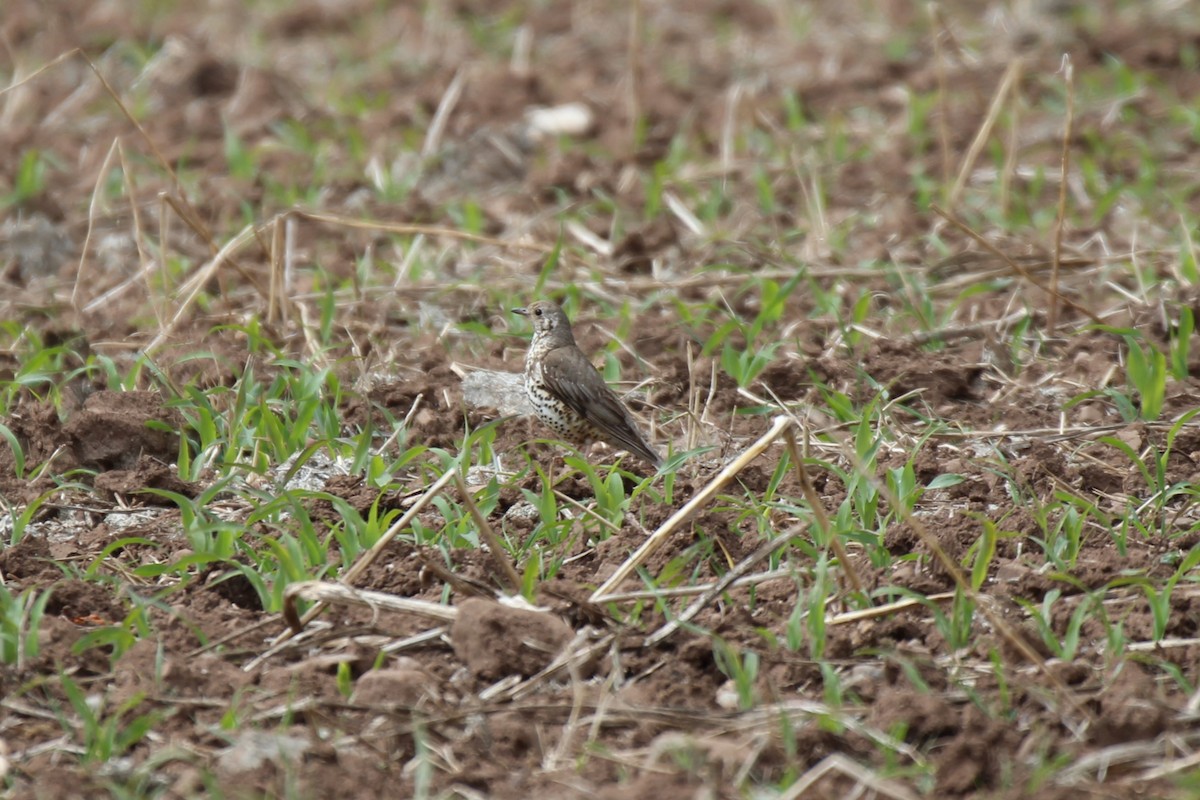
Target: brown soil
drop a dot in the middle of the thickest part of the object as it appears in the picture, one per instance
(337, 714)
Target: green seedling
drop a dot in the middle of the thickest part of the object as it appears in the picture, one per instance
(743, 360)
(1180, 344)
(1146, 370)
(1153, 469)
(1064, 539)
(238, 158)
(30, 179)
(20, 624)
(1158, 599)
(1063, 644)
(980, 554)
(345, 679)
(22, 521)
(353, 533)
(955, 623)
(104, 734)
(18, 452)
(741, 667)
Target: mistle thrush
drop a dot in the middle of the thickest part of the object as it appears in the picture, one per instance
(567, 392)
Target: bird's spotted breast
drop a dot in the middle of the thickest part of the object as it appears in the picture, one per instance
(555, 414)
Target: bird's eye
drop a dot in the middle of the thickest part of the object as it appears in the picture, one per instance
(537, 312)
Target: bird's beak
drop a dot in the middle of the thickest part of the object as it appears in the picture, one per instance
(524, 312)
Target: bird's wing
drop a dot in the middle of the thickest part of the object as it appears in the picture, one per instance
(571, 377)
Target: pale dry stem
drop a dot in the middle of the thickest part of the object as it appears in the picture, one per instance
(685, 513)
(1068, 127)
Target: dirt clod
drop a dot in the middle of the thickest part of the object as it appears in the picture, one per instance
(494, 640)
(115, 429)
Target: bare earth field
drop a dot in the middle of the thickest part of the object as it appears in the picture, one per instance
(905, 294)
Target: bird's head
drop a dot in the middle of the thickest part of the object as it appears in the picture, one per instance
(548, 321)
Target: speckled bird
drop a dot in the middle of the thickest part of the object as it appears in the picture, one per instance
(567, 392)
